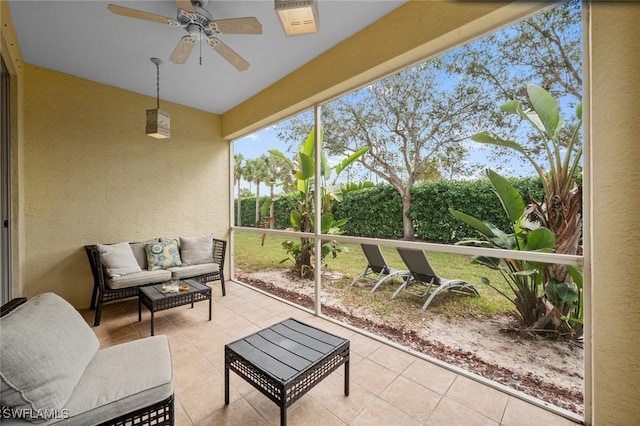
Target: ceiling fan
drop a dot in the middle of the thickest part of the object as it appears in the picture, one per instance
(200, 26)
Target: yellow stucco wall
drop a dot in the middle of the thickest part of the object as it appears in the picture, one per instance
(93, 176)
(615, 212)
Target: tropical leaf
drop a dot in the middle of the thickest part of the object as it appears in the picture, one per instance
(307, 166)
(510, 198)
(491, 139)
(579, 111)
(575, 275)
(511, 107)
(283, 157)
(489, 262)
(542, 239)
(545, 106)
(478, 225)
(350, 160)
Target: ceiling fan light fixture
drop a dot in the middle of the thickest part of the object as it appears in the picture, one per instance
(158, 122)
(298, 16)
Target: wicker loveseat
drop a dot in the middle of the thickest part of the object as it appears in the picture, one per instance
(52, 371)
(119, 270)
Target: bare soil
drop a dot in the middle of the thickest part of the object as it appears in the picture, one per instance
(548, 369)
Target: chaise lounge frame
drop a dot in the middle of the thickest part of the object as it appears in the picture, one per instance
(377, 266)
(422, 275)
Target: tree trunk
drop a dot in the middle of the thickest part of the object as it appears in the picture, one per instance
(272, 210)
(407, 222)
(257, 204)
(303, 266)
(239, 208)
(564, 219)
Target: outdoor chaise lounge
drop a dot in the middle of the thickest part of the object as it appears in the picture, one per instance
(377, 265)
(423, 281)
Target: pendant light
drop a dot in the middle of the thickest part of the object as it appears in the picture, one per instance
(158, 122)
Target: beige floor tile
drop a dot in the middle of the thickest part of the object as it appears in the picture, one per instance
(363, 345)
(380, 412)
(239, 412)
(372, 376)
(430, 375)
(181, 418)
(330, 394)
(391, 358)
(388, 386)
(449, 412)
(478, 397)
(193, 375)
(267, 408)
(309, 412)
(521, 413)
(204, 400)
(415, 400)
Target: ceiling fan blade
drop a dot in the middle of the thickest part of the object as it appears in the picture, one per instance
(248, 25)
(227, 53)
(138, 14)
(182, 50)
(185, 5)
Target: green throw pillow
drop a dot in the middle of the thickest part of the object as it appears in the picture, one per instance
(163, 254)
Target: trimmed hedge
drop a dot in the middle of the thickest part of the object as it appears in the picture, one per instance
(377, 212)
(282, 209)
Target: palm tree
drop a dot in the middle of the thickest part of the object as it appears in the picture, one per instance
(249, 171)
(277, 174)
(238, 160)
(255, 171)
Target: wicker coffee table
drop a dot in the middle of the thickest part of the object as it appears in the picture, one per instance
(155, 300)
(285, 361)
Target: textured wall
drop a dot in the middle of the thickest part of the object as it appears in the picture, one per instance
(615, 207)
(92, 176)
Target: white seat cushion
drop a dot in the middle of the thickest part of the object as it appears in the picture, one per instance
(182, 272)
(139, 278)
(46, 346)
(121, 379)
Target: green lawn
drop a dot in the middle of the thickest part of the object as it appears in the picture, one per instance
(252, 254)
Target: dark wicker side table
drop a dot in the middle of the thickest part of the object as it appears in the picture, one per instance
(285, 361)
(155, 300)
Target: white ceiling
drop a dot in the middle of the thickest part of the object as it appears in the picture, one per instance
(84, 39)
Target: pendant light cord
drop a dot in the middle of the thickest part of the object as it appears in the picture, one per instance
(157, 62)
(157, 85)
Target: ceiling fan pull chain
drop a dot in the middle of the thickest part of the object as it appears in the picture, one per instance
(200, 46)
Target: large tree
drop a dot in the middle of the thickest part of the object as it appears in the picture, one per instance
(412, 122)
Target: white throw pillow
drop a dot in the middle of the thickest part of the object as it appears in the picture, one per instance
(118, 259)
(196, 250)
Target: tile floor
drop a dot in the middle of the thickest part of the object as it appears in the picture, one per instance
(388, 386)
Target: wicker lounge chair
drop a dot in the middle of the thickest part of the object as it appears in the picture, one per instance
(378, 267)
(423, 281)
